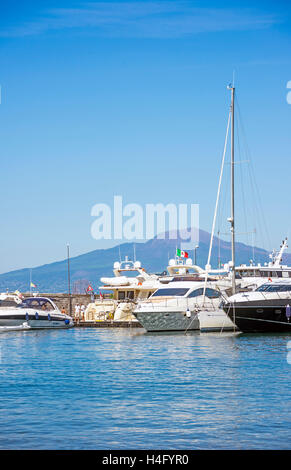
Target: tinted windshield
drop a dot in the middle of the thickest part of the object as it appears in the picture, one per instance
(274, 288)
(210, 293)
(37, 303)
(177, 291)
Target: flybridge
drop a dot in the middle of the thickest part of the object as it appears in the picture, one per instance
(273, 269)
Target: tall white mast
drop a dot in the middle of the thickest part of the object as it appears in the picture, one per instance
(231, 219)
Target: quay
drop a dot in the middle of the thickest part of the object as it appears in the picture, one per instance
(107, 324)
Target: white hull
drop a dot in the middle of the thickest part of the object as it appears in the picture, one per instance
(16, 318)
(216, 320)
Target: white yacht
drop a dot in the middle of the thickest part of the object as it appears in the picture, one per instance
(130, 284)
(30, 313)
(253, 275)
(175, 306)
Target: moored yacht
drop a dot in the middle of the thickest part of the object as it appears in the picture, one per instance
(129, 284)
(253, 275)
(174, 307)
(266, 309)
(248, 278)
(31, 313)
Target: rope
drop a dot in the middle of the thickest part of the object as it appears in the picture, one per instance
(216, 204)
(268, 321)
(191, 323)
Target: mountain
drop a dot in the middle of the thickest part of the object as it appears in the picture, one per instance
(153, 254)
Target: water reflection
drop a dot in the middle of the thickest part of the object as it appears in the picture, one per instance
(124, 388)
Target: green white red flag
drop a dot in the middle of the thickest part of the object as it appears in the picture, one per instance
(182, 254)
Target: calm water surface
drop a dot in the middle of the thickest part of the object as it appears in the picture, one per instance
(125, 389)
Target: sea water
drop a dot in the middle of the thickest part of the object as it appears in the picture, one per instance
(87, 388)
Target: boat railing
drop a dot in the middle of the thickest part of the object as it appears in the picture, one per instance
(182, 304)
(284, 297)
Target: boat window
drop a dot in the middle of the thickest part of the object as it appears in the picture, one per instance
(173, 291)
(210, 293)
(130, 294)
(196, 293)
(37, 303)
(121, 295)
(274, 288)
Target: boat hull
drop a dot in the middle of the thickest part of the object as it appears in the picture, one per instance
(260, 318)
(167, 321)
(35, 320)
(215, 321)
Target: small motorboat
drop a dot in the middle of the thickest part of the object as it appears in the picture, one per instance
(32, 312)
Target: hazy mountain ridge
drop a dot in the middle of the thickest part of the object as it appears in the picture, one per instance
(153, 254)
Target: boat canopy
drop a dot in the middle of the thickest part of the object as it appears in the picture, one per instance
(38, 303)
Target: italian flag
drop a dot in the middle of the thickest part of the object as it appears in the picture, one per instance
(182, 254)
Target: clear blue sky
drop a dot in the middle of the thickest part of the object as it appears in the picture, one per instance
(130, 98)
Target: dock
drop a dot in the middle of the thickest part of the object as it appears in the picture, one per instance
(108, 324)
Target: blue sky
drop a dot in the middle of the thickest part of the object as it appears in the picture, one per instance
(129, 98)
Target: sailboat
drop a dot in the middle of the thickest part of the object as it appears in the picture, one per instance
(216, 319)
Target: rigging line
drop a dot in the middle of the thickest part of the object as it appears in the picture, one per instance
(216, 203)
(251, 176)
(194, 318)
(256, 209)
(222, 207)
(242, 182)
(255, 185)
(261, 207)
(243, 185)
(259, 212)
(245, 190)
(222, 213)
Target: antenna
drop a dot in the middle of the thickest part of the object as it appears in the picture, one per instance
(119, 253)
(134, 254)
